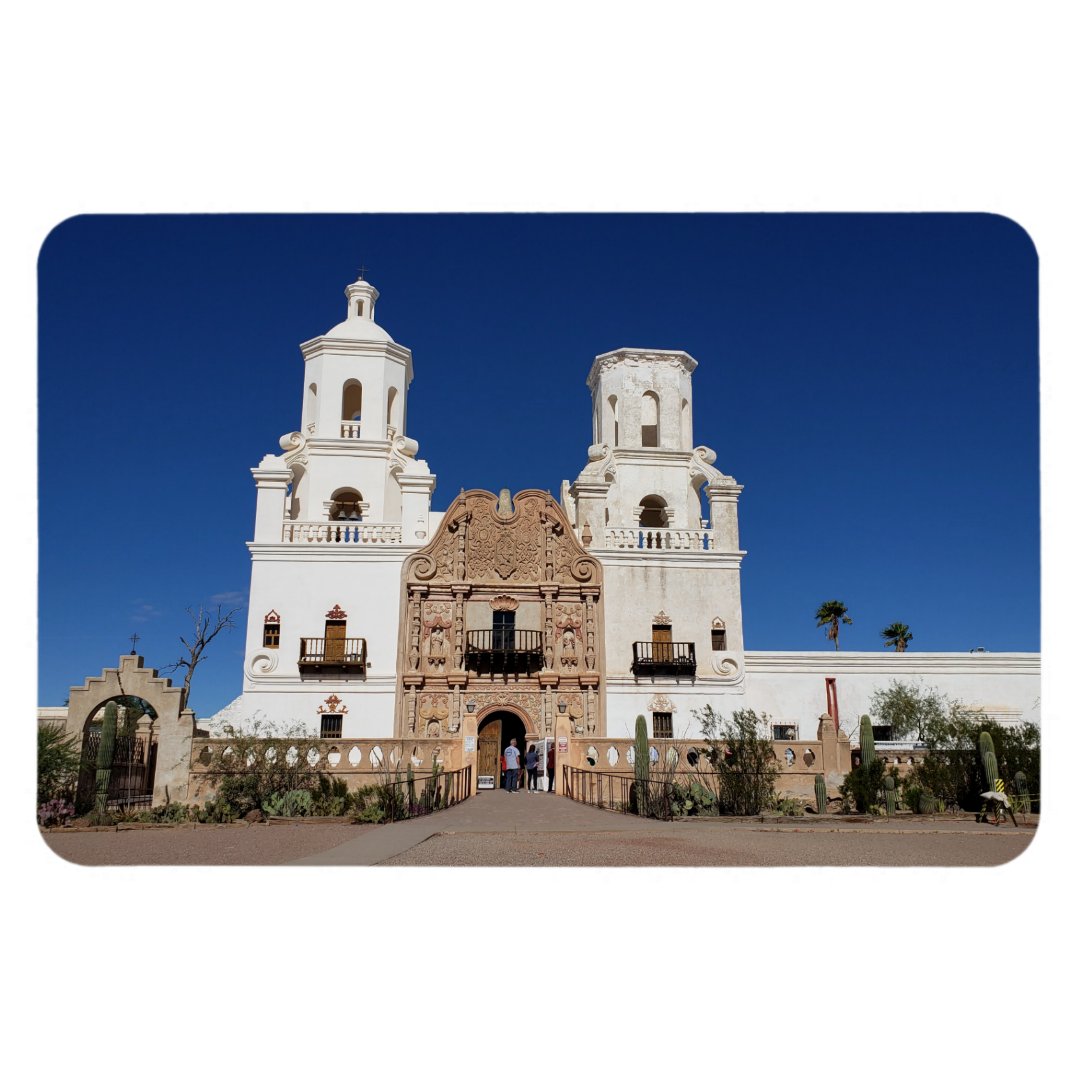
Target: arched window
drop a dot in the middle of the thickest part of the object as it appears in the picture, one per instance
(687, 434)
(653, 512)
(271, 630)
(310, 404)
(352, 400)
(347, 504)
(296, 494)
(719, 635)
(391, 417)
(650, 419)
(613, 416)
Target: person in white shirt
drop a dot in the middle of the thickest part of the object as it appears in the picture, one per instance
(513, 761)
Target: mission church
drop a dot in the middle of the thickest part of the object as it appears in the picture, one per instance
(373, 616)
(394, 633)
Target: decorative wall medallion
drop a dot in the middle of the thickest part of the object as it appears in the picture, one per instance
(263, 663)
(726, 667)
(718, 623)
(271, 617)
(504, 603)
(434, 706)
(662, 619)
(333, 705)
(661, 703)
(336, 614)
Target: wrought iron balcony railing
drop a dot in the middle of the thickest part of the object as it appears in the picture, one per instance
(664, 658)
(333, 654)
(504, 651)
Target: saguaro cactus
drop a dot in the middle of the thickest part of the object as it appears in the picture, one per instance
(890, 796)
(820, 793)
(1023, 796)
(867, 753)
(989, 761)
(641, 764)
(104, 758)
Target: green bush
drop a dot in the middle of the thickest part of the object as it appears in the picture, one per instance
(863, 785)
(57, 764)
(741, 758)
(330, 797)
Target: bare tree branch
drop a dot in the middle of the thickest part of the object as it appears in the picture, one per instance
(207, 625)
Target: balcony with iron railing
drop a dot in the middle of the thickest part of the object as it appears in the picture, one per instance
(664, 659)
(333, 656)
(504, 651)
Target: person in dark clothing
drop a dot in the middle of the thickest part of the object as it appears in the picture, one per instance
(531, 761)
(551, 767)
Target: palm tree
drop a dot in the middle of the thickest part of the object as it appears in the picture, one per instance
(897, 635)
(830, 615)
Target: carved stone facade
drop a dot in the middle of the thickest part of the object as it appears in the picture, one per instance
(501, 566)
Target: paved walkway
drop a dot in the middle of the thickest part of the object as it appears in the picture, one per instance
(496, 828)
(486, 812)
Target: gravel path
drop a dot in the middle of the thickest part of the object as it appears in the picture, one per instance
(203, 845)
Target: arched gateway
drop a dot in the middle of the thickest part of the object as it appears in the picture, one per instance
(501, 620)
(168, 727)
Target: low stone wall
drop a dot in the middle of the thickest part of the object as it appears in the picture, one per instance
(358, 762)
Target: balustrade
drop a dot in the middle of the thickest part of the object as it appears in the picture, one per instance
(340, 532)
(659, 539)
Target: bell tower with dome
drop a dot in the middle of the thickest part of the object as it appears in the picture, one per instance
(337, 513)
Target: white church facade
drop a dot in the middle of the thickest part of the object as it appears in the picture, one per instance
(373, 616)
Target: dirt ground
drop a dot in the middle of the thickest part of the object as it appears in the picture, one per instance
(201, 845)
(583, 843)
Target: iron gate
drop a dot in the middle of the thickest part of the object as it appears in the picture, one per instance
(131, 776)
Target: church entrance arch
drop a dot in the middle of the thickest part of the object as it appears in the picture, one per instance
(493, 735)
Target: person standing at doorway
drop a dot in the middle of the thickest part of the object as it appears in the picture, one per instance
(513, 766)
(551, 768)
(531, 760)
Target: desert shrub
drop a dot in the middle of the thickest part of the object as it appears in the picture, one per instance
(741, 758)
(863, 785)
(330, 796)
(57, 764)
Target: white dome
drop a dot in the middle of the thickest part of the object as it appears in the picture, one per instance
(358, 328)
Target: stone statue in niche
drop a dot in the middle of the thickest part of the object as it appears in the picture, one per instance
(437, 648)
(568, 650)
(433, 729)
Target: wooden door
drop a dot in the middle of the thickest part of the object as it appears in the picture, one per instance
(488, 746)
(662, 651)
(335, 641)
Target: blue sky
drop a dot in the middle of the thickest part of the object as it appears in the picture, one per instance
(871, 380)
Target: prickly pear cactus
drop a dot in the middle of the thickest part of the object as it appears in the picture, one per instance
(890, 796)
(821, 794)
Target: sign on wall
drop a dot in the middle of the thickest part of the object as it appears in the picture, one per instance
(470, 744)
(564, 744)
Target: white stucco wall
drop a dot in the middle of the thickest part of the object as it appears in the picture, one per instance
(790, 686)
